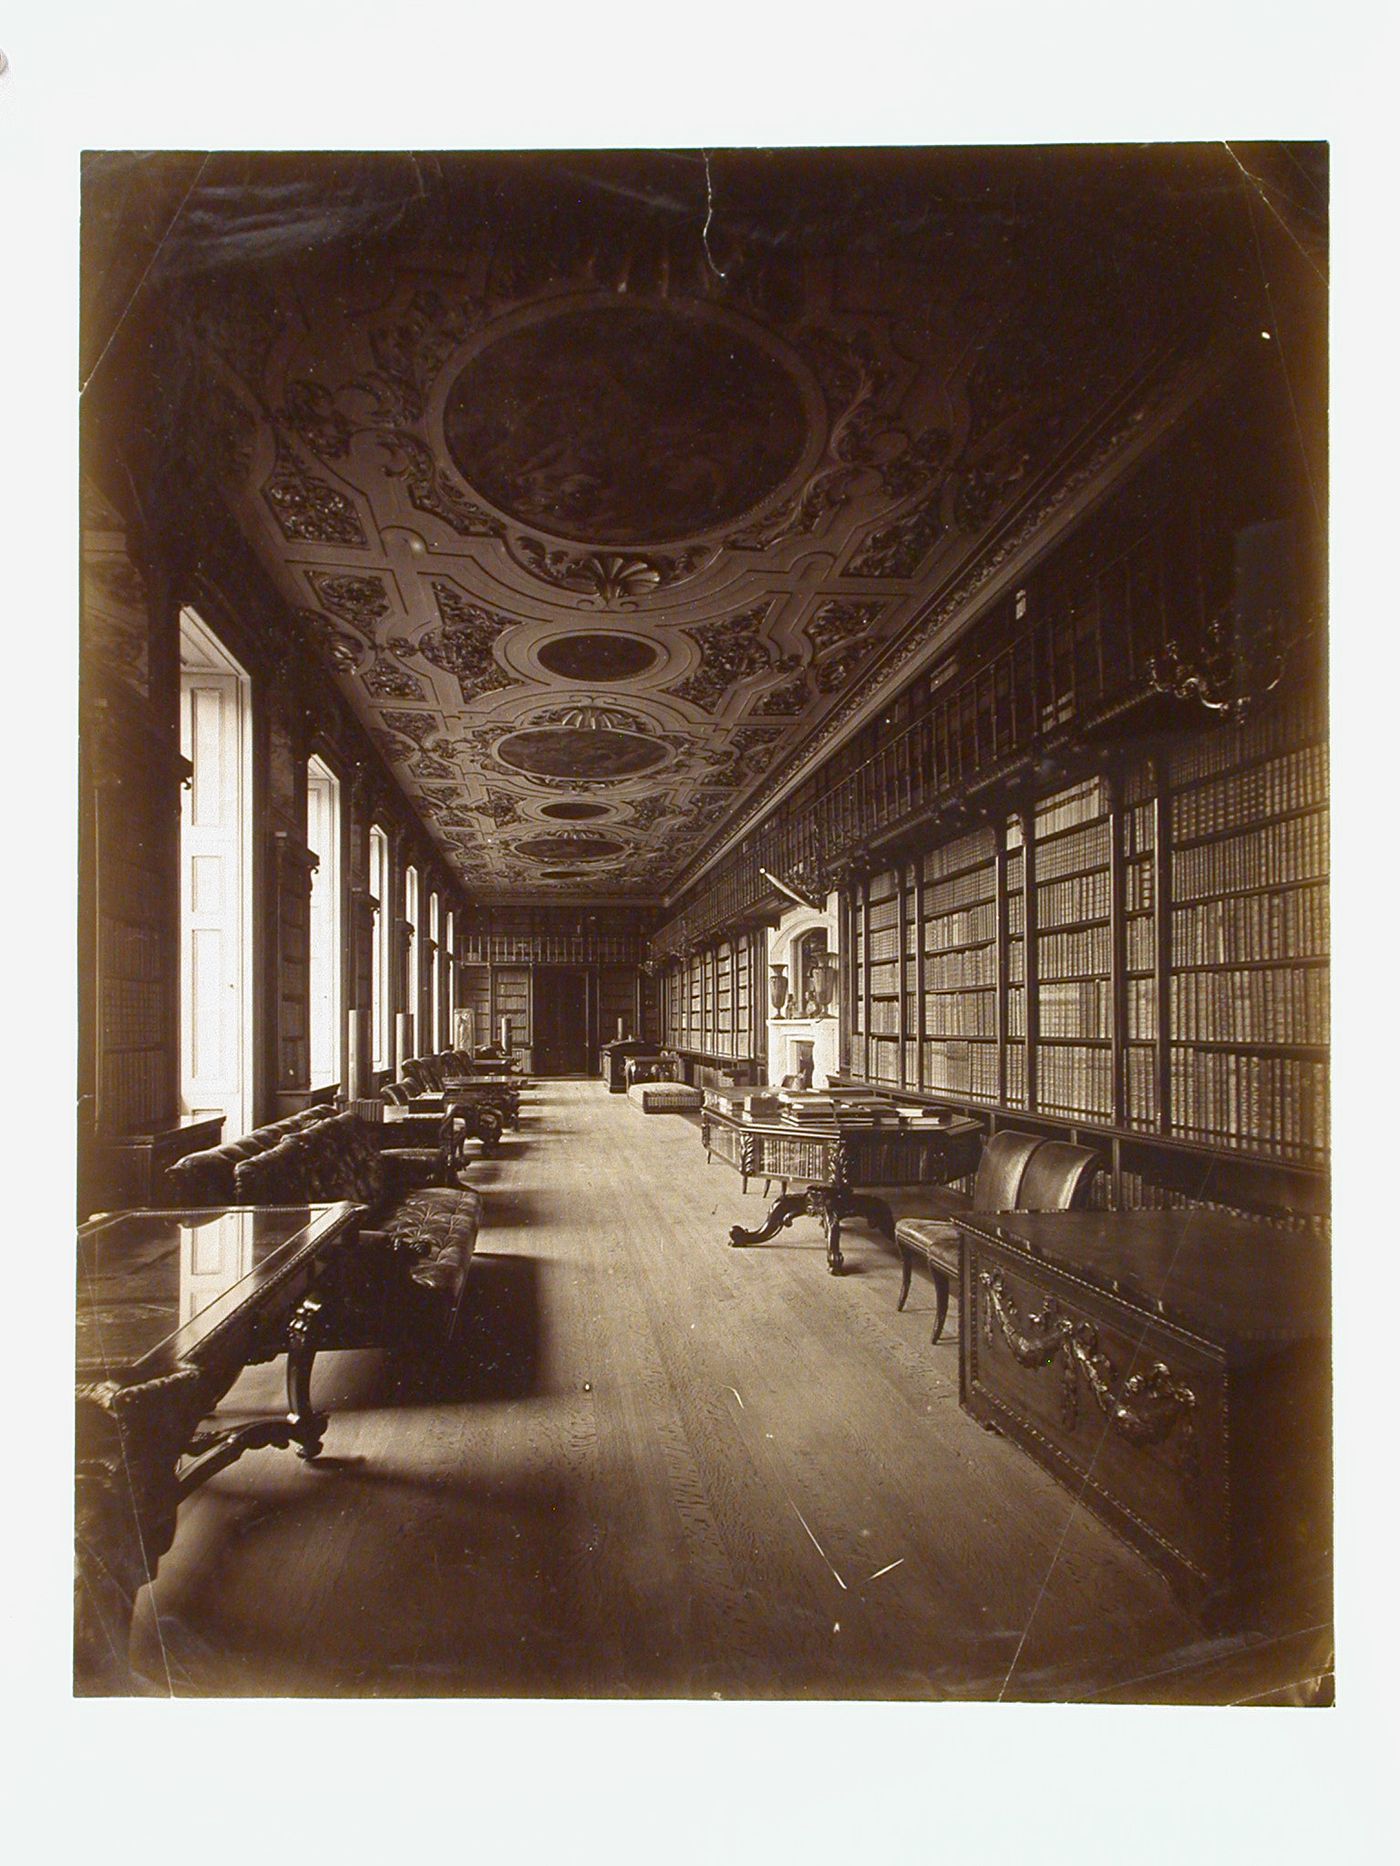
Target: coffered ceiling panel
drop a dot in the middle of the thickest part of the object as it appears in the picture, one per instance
(602, 482)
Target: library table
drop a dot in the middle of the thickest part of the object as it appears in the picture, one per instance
(838, 1163)
(1172, 1370)
(172, 1306)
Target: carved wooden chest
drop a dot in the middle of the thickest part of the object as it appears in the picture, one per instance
(1172, 1370)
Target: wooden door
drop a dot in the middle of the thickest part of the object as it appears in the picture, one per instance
(560, 1020)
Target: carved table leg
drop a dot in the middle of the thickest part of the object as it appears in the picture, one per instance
(831, 1224)
(780, 1214)
(304, 1333)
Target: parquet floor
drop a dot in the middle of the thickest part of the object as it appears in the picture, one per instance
(663, 1468)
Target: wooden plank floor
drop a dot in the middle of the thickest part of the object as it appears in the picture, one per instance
(662, 1467)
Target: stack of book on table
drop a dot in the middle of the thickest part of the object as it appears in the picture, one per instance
(925, 1117)
(838, 1108)
(807, 1108)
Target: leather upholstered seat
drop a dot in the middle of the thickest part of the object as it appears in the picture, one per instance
(1018, 1172)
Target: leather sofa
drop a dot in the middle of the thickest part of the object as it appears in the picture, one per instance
(484, 1111)
(416, 1238)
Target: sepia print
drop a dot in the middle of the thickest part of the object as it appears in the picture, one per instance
(703, 1020)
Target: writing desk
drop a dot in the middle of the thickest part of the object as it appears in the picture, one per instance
(171, 1307)
(839, 1163)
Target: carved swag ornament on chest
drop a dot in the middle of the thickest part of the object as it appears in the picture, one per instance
(1145, 1408)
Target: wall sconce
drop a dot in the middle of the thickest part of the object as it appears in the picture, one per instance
(1247, 644)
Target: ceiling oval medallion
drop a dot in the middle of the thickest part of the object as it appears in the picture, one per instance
(597, 655)
(575, 810)
(570, 848)
(627, 424)
(584, 754)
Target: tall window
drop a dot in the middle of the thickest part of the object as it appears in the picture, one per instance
(415, 977)
(449, 977)
(323, 839)
(382, 945)
(216, 1047)
(435, 984)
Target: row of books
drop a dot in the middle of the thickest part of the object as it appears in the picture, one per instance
(1140, 944)
(1283, 925)
(972, 1014)
(1273, 855)
(1139, 830)
(1296, 780)
(1073, 955)
(1271, 1101)
(961, 929)
(135, 1013)
(960, 1068)
(1081, 897)
(1075, 1081)
(885, 978)
(1079, 804)
(132, 1093)
(1081, 1008)
(1266, 1004)
(885, 944)
(1142, 1009)
(1275, 729)
(968, 970)
(963, 852)
(964, 890)
(1068, 855)
(884, 1017)
(1139, 893)
(1140, 1086)
(129, 951)
(884, 914)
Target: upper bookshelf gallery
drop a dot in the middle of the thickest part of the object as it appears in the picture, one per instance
(1143, 950)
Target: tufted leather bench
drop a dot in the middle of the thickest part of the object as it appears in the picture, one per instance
(416, 1240)
(1018, 1172)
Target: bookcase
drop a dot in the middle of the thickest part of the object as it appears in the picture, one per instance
(959, 917)
(476, 998)
(883, 933)
(1249, 988)
(1071, 835)
(714, 1004)
(1137, 953)
(510, 989)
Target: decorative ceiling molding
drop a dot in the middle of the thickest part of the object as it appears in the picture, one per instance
(783, 485)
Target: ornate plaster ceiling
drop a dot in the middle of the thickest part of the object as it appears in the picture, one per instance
(598, 510)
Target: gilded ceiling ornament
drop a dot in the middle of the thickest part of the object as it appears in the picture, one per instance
(463, 647)
(838, 621)
(835, 672)
(386, 680)
(411, 460)
(499, 806)
(607, 579)
(343, 650)
(312, 414)
(785, 701)
(730, 651)
(308, 510)
(359, 600)
(422, 728)
(409, 352)
(897, 550)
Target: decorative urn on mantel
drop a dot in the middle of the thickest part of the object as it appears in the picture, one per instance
(777, 988)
